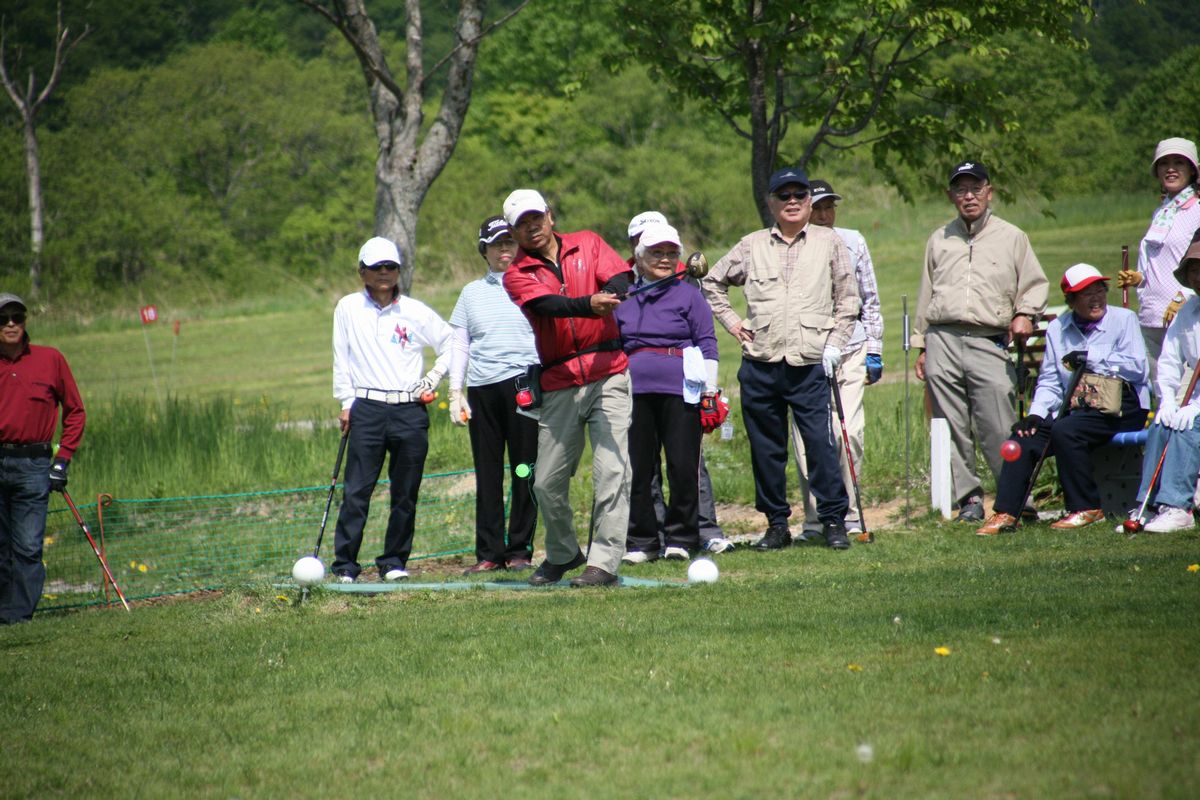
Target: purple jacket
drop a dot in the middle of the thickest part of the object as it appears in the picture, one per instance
(674, 315)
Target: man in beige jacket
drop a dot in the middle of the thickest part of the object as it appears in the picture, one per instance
(801, 305)
(981, 287)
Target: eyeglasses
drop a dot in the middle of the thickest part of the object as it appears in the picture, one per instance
(16, 318)
(786, 197)
(381, 265)
(963, 191)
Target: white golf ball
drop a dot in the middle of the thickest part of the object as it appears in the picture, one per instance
(308, 570)
(703, 570)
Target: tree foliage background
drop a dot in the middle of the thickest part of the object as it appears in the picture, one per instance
(220, 149)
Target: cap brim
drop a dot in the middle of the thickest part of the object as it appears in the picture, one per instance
(1086, 282)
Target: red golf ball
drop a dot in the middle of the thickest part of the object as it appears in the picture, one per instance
(1010, 450)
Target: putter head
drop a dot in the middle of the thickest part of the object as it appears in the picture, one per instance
(1133, 525)
(697, 265)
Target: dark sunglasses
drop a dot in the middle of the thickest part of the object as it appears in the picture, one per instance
(785, 197)
(16, 317)
(381, 265)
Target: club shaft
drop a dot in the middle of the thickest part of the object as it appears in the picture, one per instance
(1076, 376)
(1187, 398)
(337, 467)
(99, 556)
(1124, 268)
(841, 414)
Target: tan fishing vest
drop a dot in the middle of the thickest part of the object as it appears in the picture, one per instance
(791, 319)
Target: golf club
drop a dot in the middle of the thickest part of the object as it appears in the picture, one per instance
(1022, 376)
(99, 556)
(696, 267)
(337, 466)
(1063, 410)
(907, 469)
(1137, 522)
(866, 536)
(1124, 268)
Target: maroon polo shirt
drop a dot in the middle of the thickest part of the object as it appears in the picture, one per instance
(32, 387)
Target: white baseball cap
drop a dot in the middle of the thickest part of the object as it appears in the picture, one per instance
(658, 233)
(639, 223)
(521, 202)
(379, 250)
(1080, 277)
(1176, 146)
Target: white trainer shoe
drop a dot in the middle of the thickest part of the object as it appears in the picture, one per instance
(1171, 519)
(676, 554)
(635, 557)
(719, 545)
(395, 574)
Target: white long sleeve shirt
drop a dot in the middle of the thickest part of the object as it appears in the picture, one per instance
(1180, 352)
(382, 348)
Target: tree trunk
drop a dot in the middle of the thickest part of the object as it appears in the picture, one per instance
(36, 208)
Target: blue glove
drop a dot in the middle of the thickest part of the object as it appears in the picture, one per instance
(874, 368)
(58, 475)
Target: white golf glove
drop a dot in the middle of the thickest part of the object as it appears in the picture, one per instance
(427, 384)
(1165, 415)
(460, 410)
(1185, 417)
(830, 358)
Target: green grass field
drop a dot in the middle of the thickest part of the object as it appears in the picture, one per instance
(804, 673)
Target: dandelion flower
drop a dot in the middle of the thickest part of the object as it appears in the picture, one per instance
(133, 565)
(442, 405)
(942, 651)
(1193, 567)
(854, 667)
(142, 567)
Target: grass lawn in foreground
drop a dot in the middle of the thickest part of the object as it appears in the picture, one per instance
(804, 673)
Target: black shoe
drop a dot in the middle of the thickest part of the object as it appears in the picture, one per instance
(547, 573)
(777, 537)
(971, 510)
(594, 576)
(835, 535)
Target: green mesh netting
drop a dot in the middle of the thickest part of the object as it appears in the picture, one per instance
(182, 544)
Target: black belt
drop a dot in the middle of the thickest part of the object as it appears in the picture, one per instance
(36, 450)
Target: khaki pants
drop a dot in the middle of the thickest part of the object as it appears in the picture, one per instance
(604, 409)
(972, 385)
(852, 380)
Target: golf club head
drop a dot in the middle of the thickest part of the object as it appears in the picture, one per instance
(1133, 525)
(697, 265)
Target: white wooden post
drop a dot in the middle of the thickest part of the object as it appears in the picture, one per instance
(940, 486)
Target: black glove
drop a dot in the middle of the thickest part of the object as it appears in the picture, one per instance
(1028, 425)
(1076, 359)
(58, 475)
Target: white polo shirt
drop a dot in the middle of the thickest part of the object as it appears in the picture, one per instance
(382, 348)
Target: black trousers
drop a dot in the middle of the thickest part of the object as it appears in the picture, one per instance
(495, 425)
(378, 430)
(1071, 438)
(663, 423)
(769, 391)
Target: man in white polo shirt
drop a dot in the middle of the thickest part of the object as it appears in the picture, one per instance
(379, 378)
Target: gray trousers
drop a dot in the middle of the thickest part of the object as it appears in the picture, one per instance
(972, 384)
(602, 409)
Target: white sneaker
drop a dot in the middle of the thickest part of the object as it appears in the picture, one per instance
(853, 526)
(1171, 519)
(345, 578)
(719, 545)
(395, 574)
(676, 554)
(635, 557)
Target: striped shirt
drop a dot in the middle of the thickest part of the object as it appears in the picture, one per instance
(382, 348)
(501, 341)
(1157, 261)
(869, 327)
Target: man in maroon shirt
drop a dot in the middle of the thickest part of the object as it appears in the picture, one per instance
(34, 382)
(568, 285)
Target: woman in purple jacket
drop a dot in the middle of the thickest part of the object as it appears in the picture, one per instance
(667, 332)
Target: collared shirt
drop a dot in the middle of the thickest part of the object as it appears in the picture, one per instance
(978, 277)
(869, 327)
(1158, 257)
(585, 264)
(32, 387)
(1180, 353)
(1114, 348)
(501, 341)
(381, 348)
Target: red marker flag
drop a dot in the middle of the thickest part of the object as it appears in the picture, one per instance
(149, 314)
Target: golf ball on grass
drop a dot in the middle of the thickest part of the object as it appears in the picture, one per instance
(308, 570)
(703, 570)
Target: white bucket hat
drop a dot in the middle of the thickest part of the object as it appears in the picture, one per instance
(1176, 147)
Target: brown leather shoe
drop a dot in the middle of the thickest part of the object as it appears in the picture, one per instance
(998, 523)
(1079, 519)
(482, 566)
(594, 576)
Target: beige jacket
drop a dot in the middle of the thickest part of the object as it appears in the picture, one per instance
(800, 295)
(978, 279)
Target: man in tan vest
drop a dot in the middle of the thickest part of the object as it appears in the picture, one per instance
(981, 287)
(801, 305)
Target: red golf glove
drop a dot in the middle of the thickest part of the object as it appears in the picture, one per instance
(713, 410)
